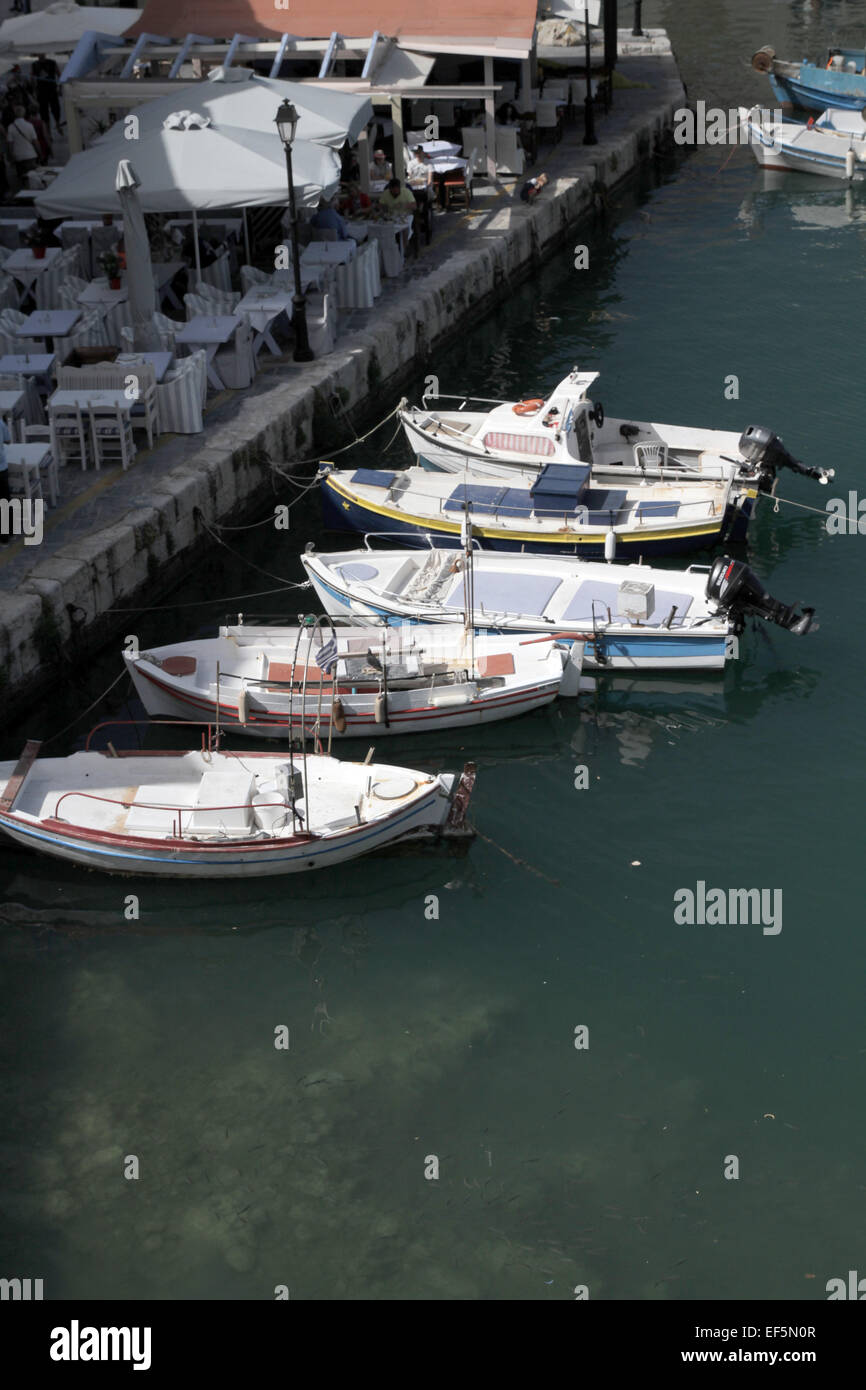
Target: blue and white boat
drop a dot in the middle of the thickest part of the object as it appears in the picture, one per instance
(630, 617)
(833, 146)
(554, 511)
(839, 82)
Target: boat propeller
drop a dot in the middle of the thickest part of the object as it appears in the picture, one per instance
(765, 454)
(739, 593)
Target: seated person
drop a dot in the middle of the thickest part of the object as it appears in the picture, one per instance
(380, 168)
(531, 189)
(396, 198)
(353, 200)
(326, 218)
(419, 170)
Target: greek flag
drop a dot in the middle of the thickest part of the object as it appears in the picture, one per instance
(326, 657)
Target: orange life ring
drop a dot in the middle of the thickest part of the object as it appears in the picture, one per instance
(528, 407)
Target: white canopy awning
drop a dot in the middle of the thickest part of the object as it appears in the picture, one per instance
(58, 28)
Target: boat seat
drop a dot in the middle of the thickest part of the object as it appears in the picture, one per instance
(501, 592)
(496, 664)
(606, 594)
(223, 801)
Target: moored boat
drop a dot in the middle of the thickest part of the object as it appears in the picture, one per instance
(449, 432)
(553, 511)
(355, 681)
(833, 146)
(209, 814)
(839, 81)
(630, 617)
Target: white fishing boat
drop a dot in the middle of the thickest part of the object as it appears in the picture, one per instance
(832, 144)
(553, 511)
(630, 617)
(210, 814)
(449, 432)
(358, 681)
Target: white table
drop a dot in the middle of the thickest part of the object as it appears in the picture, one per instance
(23, 266)
(211, 332)
(12, 410)
(48, 324)
(39, 364)
(38, 458)
(261, 306)
(440, 147)
(12, 229)
(160, 361)
(335, 252)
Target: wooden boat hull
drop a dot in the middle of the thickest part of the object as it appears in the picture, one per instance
(420, 810)
(344, 512)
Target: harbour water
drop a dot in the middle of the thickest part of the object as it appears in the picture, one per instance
(433, 1003)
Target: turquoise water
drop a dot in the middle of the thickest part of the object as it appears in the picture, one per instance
(455, 1037)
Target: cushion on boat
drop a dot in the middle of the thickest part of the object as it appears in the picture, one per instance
(580, 607)
(373, 477)
(359, 571)
(285, 672)
(496, 664)
(479, 498)
(602, 500)
(498, 592)
(179, 665)
(567, 478)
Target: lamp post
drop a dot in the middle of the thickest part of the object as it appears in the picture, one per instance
(287, 124)
(589, 136)
(637, 31)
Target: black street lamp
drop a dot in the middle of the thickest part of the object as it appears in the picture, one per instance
(589, 136)
(287, 124)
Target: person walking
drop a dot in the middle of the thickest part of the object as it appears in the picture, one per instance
(46, 74)
(23, 144)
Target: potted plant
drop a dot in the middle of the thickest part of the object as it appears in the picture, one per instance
(111, 268)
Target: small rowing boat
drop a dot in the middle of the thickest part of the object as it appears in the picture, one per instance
(356, 681)
(208, 814)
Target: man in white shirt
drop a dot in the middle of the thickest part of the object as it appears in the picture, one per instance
(23, 143)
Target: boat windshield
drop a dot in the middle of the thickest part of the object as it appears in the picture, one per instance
(580, 441)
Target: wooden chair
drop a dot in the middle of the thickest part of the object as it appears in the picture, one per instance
(457, 188)
(111, 435)
(69, 435)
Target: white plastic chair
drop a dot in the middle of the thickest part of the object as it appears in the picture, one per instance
(218, 273)
(10, 319)
(58, 271)
(181, 394)
(321, 324)
(510, 158)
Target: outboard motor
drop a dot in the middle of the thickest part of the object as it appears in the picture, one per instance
(739, 593)
(765, 454)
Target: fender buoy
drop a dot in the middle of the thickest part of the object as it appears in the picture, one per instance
(598, 414)
(528, 407)
(338, 715)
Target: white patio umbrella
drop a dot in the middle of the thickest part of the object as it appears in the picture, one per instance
(139, 270)
(58, 28)
(239, 97)
(188, 165)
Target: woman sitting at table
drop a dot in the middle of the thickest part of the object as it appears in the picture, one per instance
(354, 200)
(380, 168)
(326, 218)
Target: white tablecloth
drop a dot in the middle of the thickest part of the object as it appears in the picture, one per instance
(388, 235)
(335, 252)
(359, 282)
(261, 306)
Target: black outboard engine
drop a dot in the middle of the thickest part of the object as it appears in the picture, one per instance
(739, 593)
(765, 454)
